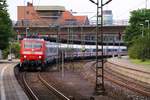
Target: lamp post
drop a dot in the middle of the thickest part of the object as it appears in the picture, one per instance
(27, 28)
(10, 49)
(62, 71)
(56, 27)
(147, 21)
(58, 45)
(119, 56)
(17, 35)
(142, 29)
(148, 27)
(143, 54)
(10, 54)
(99, 85)
(145, 4)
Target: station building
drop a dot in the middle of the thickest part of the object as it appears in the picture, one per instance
(54, 20)
(47, 15)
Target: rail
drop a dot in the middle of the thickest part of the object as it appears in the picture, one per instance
(117, 65)
(146, 93)
(54, 89)
(29, 90)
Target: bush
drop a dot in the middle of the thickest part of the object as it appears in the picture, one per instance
(5, 52)
(15, 49)
(140, 48)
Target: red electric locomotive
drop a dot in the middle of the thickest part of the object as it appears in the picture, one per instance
(36, 53)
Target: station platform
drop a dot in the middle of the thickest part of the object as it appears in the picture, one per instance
(9, 86)
(125, 61)
(7, 61)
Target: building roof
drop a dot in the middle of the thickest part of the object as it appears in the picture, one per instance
(81, 19)
(67, 15)
(44, 15)
(49, 8)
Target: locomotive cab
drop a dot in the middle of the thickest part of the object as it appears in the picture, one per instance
(32, 52)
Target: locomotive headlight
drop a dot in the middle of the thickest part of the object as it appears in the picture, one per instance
(25, 56)
(40, 57)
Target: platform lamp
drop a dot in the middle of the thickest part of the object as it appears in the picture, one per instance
(142, 25)
(17, 31)
(119, 42)
(148, 34)
(10, 49)
(99, 84)
(145, 4)
(148, 27)
(27, 28)
(143, 53)
(55, 28)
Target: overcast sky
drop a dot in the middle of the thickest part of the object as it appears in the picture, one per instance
(120, 8)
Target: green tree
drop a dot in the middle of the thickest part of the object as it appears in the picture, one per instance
(140, 48)
(134, 30)
(15, 49)
(6, 30)
(139, 45)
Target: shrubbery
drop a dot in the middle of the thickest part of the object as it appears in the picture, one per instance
(140, 48)
(137, 35)
(15, 49)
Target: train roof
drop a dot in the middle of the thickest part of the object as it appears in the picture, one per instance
(76, 46)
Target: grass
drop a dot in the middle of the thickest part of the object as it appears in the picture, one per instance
(137, 61)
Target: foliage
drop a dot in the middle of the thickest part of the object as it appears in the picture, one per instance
(140, 48)
(139, 45)
(134, 30)
(5, 52)
(6, 30)
(15, 49)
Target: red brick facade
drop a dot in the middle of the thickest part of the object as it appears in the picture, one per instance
(31, 16)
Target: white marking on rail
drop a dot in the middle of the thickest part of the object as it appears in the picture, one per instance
(3, 96)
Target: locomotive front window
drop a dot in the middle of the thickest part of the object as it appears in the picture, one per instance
(37, 45)
(27, 45)
(32, 45)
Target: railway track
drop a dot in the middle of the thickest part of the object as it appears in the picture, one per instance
(38, 89)
(126, 81)
(58, 93)
(133, 73)
(110, 75)
(29, 91)
(133, 69)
